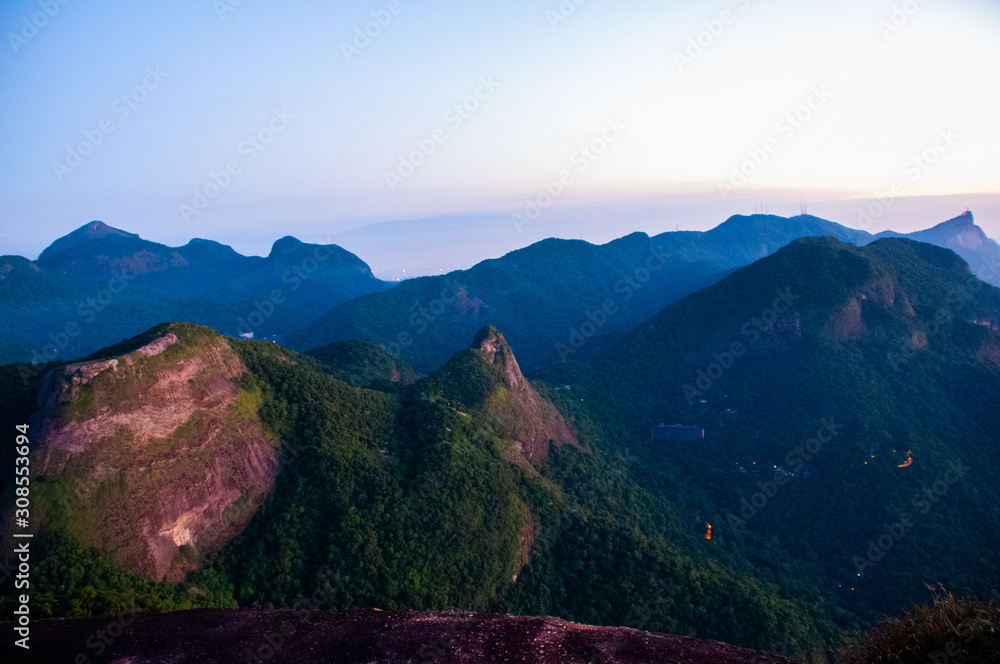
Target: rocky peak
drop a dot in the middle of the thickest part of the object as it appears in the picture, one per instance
(91, 232)
(514, 407)
(96, 230)
(966, 233)
(495, 349)
(156, 438)
(198, 249)
(98, 251)
(958, 233)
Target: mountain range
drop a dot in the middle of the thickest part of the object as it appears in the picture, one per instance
(99, 285)
(556, 299)
(179, 470)
(780, 453)
(563, 299)
(843, 391)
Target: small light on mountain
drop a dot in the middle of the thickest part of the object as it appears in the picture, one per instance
(909, 460)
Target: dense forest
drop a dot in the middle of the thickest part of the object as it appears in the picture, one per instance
(855, 412)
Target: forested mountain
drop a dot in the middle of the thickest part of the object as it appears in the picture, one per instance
(848, 397)
(846, 394)
(565, 299)
(556, 300)
(469, 490)
(99, 284)
(363, 363)
(538, 295)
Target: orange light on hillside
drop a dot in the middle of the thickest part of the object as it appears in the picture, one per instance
(708, 535)
(909, 460)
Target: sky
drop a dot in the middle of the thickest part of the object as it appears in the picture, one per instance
(243, 120)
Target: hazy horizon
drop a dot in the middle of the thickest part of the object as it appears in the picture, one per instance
(404, 248)
(184, 121)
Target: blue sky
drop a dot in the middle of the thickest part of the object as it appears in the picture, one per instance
(310, 129)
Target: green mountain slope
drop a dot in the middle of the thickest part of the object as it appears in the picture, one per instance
(471, 490)
(561, 300)
(538, 295)
(362, 363)
(892, 347)
(847, 396)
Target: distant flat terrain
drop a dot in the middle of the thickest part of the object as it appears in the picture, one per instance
(365, 637)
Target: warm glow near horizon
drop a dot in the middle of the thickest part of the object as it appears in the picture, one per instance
(133, 115)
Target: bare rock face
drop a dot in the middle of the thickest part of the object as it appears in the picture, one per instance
(518, 411)
(154, 450)
(848, 322)
(370, 635)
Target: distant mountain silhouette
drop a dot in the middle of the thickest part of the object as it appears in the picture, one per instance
(537, 295)
(98, 251)
(100, 284)
(555, 299)
(966, 239)
(549, 298)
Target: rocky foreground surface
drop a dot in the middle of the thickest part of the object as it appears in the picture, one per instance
(361, 637)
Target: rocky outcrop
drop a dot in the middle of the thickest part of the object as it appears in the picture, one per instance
(152, 450)
(371, 635)
(516, 410)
